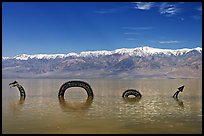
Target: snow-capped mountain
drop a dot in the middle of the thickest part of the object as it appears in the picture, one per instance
(138, 62)
(140, 51)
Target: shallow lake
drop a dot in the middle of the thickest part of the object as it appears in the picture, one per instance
(41, 112)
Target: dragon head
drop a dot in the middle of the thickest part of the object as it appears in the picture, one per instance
(13, 84)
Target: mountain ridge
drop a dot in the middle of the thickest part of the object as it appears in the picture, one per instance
(142, 62)
(139, 51)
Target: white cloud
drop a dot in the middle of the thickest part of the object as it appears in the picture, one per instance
(197, 17)
(132, 33)
(170, 42)
(138, 28)
(199, 8)
(182, 19)
(111, 10)
(144, 5)
(104, 11)
(131, 39)
(168, 9)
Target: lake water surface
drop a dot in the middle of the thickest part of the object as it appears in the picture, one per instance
(108, 113)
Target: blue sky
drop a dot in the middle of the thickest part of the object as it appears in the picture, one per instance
(52, 27)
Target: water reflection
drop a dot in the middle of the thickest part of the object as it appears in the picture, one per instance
(17, 105)
(179, 102)
(131, 99)
(75, 106)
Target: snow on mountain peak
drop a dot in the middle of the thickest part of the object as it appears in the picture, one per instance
(199, 49)
(139, 51)
(22, 57)
(95, 53)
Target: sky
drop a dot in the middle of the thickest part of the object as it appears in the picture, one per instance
(65, 27)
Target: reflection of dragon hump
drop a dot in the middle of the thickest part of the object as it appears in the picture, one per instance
(69, 84)
(80, 106)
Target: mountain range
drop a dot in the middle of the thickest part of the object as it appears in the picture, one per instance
(140, 62)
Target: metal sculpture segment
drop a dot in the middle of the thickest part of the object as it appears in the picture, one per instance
(20, 88)
(69, 84)
(180, 89)
(128, 92)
